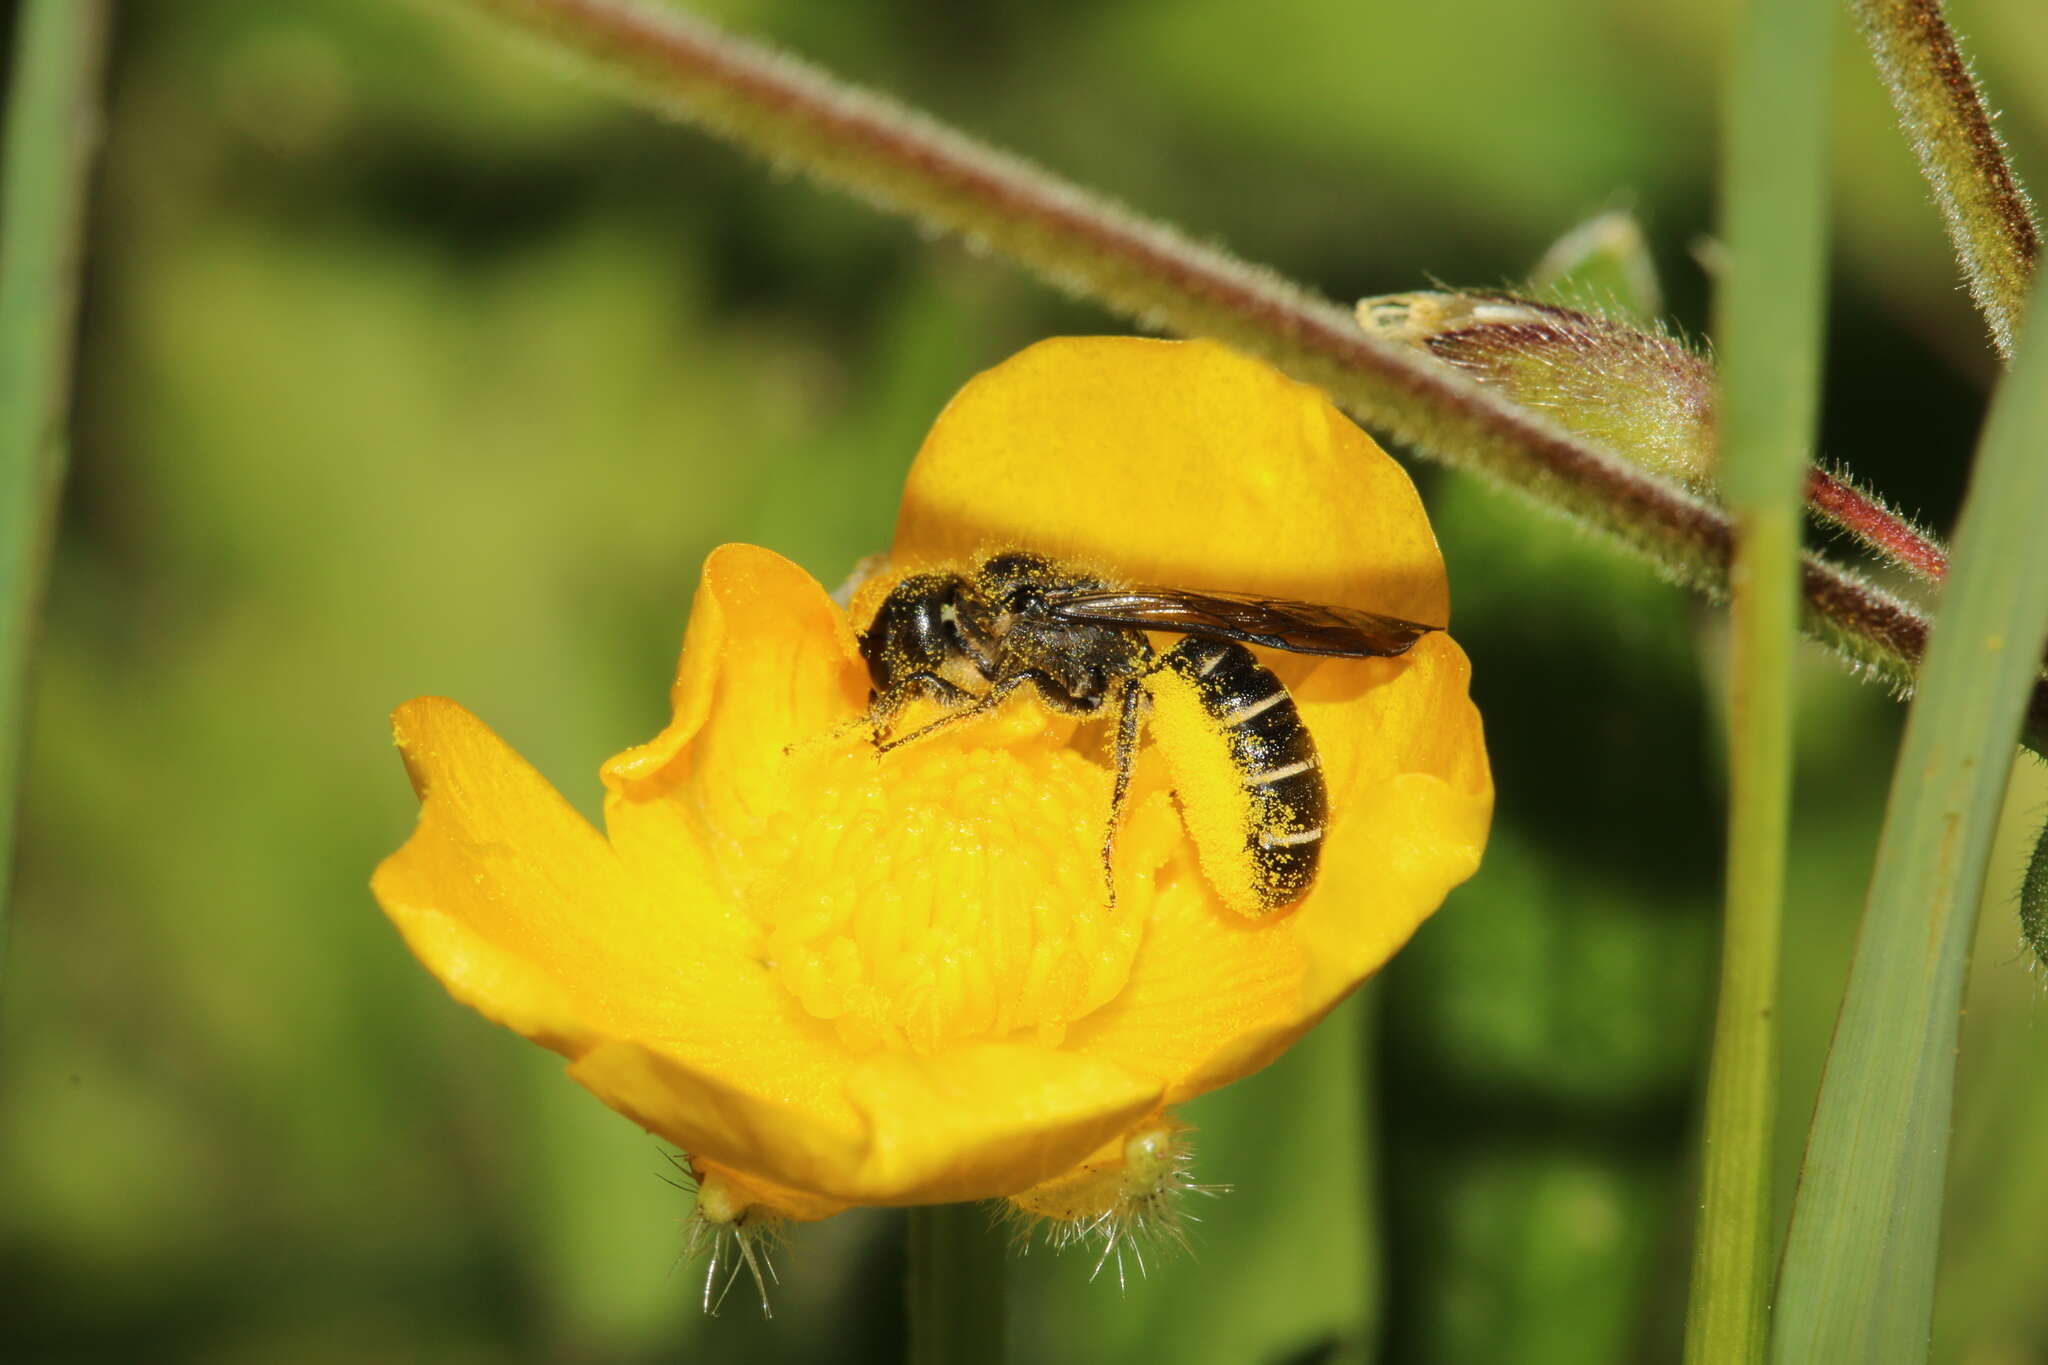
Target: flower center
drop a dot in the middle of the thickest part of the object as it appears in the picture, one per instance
(950, 890)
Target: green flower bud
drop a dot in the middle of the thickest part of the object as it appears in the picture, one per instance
(1643, 394)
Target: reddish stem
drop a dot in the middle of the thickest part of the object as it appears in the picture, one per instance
(1876, 525)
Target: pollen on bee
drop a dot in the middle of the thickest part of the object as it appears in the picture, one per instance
(1214, 798)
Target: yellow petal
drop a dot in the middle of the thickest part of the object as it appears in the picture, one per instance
(1178, 463)
(503, 891)
(770, 653)
(1410, 822)
(767, 661)
(1208, 977)
(977, 1122)
(525, 913)
(989, 1118)
(726, 1195)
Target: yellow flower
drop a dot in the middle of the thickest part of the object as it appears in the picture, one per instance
(839, 977)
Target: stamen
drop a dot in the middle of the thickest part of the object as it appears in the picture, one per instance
(953, 890)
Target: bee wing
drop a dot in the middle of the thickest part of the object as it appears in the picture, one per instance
(1299, 627)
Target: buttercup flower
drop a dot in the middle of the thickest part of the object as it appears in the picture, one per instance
(835, 976)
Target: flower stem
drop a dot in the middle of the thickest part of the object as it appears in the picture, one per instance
(1768, 322)
(1990, 220)
(52, 131)
(956, 1286)
(799, 116)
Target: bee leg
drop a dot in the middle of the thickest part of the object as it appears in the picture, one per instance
(833, 737)
(1128, 698)
(882, 708)
(940, 690)
(968, 703)
(976, 707)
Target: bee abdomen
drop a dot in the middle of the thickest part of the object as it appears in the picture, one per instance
(1246, 770)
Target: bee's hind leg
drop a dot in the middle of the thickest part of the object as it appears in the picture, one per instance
(1129, 699)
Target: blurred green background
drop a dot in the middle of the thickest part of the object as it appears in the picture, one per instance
(410, 366)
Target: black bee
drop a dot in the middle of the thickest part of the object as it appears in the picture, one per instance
(967, 641)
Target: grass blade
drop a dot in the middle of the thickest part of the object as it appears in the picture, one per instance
(1769, 330)
(52, 128)
(1858, 1276)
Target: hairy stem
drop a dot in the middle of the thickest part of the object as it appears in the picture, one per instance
(797, 115)
(1990, 220)
(1837, 500)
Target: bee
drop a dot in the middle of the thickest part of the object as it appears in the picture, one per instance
(966, 641)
